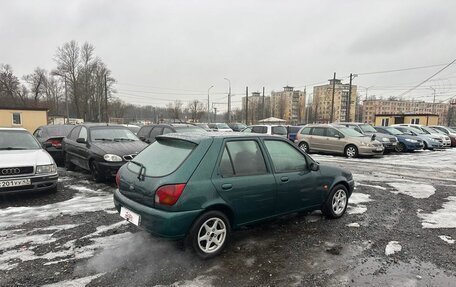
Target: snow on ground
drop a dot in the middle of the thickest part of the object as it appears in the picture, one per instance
(355, 205)
(392, 247)
(447, 239)
(441, 218)
(354, 224)
(80, 282)
(201, 280)
(416, 190)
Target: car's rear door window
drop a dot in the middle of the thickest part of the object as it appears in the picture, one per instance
(279, 130)
(285, 158)
(259, 129)
(318, 131)
(162, 157)
(241, 158)
(155, 132)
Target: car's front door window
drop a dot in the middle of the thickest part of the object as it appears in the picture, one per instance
(285, 158)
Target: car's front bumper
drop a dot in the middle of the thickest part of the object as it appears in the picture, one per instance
(389, 145)
(369, 150)
(161, 223)
(38, 183)
(410, 146)
(109, 169)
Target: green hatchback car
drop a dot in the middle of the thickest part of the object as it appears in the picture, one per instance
(200, 187)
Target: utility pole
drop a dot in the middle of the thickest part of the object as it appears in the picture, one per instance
(246, 105)
(66, 103)
(347, 115)
(208, 110)
(332, 101)
(263, 105)
(106, 98)
(433, 101)
(215, 114)
(229, 100)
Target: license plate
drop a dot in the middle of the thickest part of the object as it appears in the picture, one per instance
(379, 149)
(395, 143)
(130, 216)
(15, 182)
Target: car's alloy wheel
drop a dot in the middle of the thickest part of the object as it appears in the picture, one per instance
(336, 204)
(304, 147)
(209, 234)
(351, 151)
(400, 147)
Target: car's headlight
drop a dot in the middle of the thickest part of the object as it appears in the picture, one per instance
(112, 157)
(411, 140)
(366, 144)
(48, 168)
(385, 140)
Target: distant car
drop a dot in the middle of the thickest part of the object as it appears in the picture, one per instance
(24, 165)
(133, 128)
(292, 131)
(429, 141)
(53, 134)
(431, 132)
(237, 127)
(450, 132)
(200, 187)
(203, 126)
(275, 130)
(333, 138)
(406, 142)
(149, 133)
(219, 127)
(388, 141)
(100, 148)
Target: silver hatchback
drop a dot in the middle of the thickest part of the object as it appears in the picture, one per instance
(332, 138)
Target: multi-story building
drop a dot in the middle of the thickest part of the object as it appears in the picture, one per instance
(289, 105)
(322, 104)
(379, 107)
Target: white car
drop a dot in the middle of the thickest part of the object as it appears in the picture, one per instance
(427, 130)
(219, 127)
(276, 130)
(24, 164)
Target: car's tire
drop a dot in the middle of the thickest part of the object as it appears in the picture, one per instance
(68, 164)
(209, 234)
(401, 147)
(304, 147)
(351, 151)
(95, 171)
(337, 202)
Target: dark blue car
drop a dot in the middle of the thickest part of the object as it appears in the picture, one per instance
(292, 131)
(406, 142)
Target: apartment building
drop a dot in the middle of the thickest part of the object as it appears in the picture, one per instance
(289, 104)
(371, 108)
(323, 98)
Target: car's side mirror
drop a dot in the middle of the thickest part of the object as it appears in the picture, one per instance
(373, 137)
(47, 144)
(314, 166)
(339, 136)
(81, 140)
(142, 138)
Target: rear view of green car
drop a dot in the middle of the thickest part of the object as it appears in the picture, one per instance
(201, 187)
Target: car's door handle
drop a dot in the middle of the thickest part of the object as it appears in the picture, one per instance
(227, 186)
(284, 178)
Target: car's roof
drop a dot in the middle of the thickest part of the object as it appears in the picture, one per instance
(199, 137)
(95, 125)
(12, 129)
(324, 125)
(350, 123)
(261, 125)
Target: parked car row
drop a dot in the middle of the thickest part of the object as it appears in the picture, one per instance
(355, 139)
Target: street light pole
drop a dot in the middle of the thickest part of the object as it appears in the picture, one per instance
(229, 100)
(208, 109)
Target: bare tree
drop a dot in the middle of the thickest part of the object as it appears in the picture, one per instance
(196, 110)
(11, 90)
(175, 109)
(37, 83)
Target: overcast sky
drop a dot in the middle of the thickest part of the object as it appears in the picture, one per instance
(160, 51)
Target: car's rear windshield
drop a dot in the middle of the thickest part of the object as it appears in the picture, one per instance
(191, 129)
(58, 131)
(350, 132)
(222, 126)
(162, 157)
(279, 130)
(294, 129)
(112, 134)
(17, 140)
(394, 131)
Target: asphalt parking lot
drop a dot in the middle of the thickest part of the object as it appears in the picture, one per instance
(399, 230)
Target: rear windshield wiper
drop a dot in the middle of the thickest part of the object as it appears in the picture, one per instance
(103, 139)
(142, 170)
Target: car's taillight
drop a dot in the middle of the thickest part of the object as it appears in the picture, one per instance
(169, 194)
(55, 143)
(118, 178)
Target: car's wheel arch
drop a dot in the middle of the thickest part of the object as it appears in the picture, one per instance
(223, 208)
(340, 181)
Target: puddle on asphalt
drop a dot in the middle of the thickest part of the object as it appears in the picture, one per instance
(378, 272)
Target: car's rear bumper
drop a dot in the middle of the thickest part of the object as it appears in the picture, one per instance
(166, 224)
(38, 183)
(57, 154)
